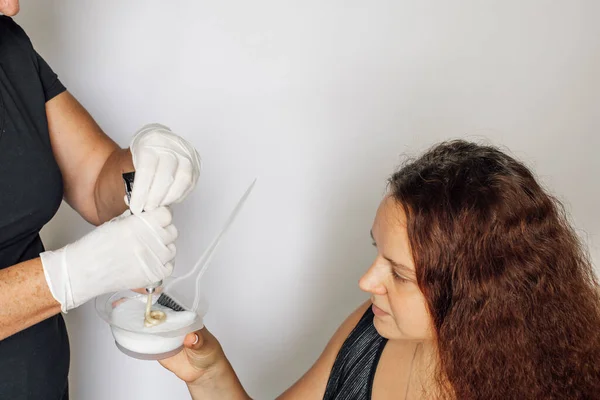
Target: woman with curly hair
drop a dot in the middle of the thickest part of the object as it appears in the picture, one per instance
(480, 290)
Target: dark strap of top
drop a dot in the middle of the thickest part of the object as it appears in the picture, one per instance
(351, 377)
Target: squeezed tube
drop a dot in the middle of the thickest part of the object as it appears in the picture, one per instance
(153, 317)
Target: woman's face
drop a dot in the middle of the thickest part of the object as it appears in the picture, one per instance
(9, 7)
(398, 303)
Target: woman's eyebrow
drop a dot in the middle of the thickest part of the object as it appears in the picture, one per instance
(398, 265)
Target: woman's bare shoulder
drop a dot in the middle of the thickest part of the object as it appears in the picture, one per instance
(312, 384)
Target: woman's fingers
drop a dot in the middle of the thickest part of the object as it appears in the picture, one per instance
(194, 340)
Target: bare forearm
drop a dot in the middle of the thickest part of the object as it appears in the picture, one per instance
(219, 383)
(25, 297)
(91, 163)
(110, 188)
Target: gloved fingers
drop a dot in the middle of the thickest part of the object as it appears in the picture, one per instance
(166, 235)
(167, 255)
(173, 249)
(173, 163)
(161, 254)
(126, 214)
(196, 163)
(196, 166)
(170, 234)
(158, 233)
(151, 127)
(159, 217)
(183, 183)
(168, 269)
(145, 165)
(163, 179)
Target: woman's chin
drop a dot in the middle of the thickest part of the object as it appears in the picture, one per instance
(384, 329)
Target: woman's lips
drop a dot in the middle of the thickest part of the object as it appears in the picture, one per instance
(378, 311)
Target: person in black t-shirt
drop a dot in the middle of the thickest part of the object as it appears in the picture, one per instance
(51, 149)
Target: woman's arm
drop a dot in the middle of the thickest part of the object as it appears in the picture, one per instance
(91, 165)
(203, 366)
(129, 251)
(25, 297)
(167, 166)
(209, 375)
(90, 162)
(219, 381)
(82, 151)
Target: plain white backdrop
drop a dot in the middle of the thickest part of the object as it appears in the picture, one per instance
(319, 99)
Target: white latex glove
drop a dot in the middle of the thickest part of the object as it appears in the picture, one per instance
(166, 168)
(129, 251)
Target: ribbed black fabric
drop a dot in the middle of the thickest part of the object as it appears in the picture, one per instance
(351, 377)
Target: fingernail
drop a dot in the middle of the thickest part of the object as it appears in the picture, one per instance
(197, 339)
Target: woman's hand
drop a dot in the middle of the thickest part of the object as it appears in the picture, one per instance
(202, 354)
(167, 168)
(203, 366)
(128, 251)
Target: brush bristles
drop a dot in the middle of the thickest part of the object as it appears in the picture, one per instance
(166, 301)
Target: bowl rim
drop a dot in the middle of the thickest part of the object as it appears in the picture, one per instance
(103, 305)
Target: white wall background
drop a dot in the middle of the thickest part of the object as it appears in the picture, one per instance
(319, 99)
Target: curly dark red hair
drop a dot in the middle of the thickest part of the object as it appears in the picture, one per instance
(509, 286)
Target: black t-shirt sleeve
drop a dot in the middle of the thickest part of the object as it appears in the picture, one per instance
(52, 85)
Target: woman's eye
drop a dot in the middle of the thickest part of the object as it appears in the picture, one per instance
(398, 277)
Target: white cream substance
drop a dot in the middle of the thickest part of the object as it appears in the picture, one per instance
(129, 331)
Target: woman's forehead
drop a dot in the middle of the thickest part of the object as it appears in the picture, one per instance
(390, 221)
(391, 215)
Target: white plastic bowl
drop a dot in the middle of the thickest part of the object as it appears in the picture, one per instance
(146, 345)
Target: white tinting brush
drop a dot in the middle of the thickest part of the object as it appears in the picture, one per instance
(128, 177)
(201, 265)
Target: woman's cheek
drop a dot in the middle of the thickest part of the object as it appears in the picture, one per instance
(412, 318)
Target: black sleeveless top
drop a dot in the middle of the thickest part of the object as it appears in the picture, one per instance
(34, 363)
(351, 377)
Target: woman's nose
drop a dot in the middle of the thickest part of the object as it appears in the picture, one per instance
(373, 280)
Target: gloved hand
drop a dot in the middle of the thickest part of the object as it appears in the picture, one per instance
(166, 168)
(129, 251)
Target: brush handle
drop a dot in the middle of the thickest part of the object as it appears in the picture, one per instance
(204, 260)
(129, 177)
